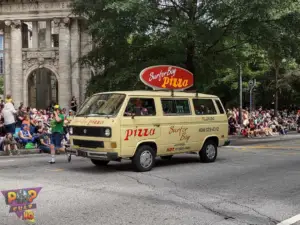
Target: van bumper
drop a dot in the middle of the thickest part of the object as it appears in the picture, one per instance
(111, 156)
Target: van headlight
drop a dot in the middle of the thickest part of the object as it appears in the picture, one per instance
(71, 130)
(107, 132)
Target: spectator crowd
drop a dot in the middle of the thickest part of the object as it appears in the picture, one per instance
(25, 127)
(262, 122)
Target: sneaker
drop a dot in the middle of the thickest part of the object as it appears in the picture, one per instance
(52, 161)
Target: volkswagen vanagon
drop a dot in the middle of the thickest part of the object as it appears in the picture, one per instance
(141, 125)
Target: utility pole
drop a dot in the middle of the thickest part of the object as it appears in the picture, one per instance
(241, 94)
(252, 84)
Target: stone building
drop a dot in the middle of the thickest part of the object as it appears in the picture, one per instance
(42, 42)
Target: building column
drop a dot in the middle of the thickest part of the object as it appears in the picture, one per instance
(85, 73)
(48, 34)
(35, 34)
(75, 55)
(16, 63)
(64, 83)
(7, 58)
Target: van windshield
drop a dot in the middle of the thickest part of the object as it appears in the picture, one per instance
(102, 105)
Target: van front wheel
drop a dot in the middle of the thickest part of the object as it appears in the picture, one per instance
(144, 158)
(209, 152)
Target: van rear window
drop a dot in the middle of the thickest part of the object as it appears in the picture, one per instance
(204, 107)
(176, 106)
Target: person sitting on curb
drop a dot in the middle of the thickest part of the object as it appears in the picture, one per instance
(2, 134)
(44, 141)
(9, 144)
(25, 136)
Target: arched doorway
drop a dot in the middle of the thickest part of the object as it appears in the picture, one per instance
(42, 88)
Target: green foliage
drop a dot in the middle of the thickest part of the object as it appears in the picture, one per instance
(209, 38)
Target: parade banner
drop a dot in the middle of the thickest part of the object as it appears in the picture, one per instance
(21, 202)
(167, 77)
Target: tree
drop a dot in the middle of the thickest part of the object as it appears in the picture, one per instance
(206, 37)
(279, 38)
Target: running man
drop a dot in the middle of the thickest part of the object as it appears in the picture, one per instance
(57, 131)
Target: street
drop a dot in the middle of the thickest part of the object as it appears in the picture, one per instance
(256, 183)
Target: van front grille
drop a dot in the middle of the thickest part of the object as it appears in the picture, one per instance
(89, 144)
(89, 131)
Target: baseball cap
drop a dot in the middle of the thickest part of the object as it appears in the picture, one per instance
(57, 107)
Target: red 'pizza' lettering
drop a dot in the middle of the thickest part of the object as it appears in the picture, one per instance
(145, 132)
(152, 132)
(128, 134)
(95, 122)
(138, 132)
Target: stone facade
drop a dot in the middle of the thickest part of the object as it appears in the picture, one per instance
(21, 59)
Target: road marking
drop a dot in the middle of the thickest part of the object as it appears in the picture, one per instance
(264, 147)
(290, 221)
(9, 160)
(56, 170)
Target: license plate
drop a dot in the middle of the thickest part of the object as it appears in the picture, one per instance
(81, 153)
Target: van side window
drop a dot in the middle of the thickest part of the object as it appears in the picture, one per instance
(140, 107)
(176, 106)
(219, 104)
(204, 107)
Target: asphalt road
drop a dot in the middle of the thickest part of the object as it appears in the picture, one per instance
(257, 183)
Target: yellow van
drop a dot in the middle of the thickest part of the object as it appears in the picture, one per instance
(140, 125)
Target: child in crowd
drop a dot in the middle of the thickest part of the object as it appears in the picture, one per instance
(9, 144)
(8, 99)
(44, 141)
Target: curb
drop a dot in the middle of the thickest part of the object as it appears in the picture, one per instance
(254, 141)
(240, 137)
(23, 152)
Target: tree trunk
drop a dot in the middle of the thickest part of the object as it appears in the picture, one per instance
(190, 45)
(190, 53)
(276, 86)
(240, 69)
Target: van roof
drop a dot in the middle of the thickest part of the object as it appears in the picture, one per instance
(161, 93)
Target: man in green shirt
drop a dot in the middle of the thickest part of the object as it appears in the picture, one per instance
(57, 130)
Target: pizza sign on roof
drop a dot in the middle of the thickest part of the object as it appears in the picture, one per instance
(167, 77)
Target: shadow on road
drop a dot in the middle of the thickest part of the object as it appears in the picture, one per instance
(126, 165)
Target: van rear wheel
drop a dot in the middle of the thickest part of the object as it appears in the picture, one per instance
(144, 158)
(99, 162)
(209, 152)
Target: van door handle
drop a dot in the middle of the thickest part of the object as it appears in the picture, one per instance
(156, 125)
